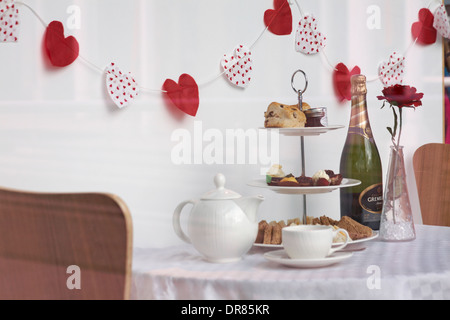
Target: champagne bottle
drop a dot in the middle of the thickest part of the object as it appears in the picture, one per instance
(360, 160)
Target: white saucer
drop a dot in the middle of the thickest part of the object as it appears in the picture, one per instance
(280, 256)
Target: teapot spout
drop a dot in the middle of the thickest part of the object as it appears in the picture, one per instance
(250, 206)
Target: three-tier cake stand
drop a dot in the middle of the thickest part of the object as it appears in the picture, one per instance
(302, 133)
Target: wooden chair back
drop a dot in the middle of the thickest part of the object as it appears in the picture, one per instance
(432, 172)
(64, 246)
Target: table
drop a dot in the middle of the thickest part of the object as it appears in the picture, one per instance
(419, 269)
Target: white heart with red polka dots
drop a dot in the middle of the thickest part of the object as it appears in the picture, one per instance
(391, 72)
(9, 21)
(238, 67)
(121, 87)
(308, 39)
(441, 22)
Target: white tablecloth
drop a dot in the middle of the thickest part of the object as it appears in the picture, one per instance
(419, 269)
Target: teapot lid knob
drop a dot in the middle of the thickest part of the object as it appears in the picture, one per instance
(220, 193)
(219, 181)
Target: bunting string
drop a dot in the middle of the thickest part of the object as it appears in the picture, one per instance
(237, 66)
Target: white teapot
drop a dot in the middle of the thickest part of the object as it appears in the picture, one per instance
(222, 225)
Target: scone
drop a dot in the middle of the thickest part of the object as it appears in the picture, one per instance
(283, 116)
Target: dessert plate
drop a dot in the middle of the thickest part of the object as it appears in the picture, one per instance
(346, 183)
(280, 256)
(298, 132)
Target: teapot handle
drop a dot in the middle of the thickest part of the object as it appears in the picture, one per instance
(176, 221)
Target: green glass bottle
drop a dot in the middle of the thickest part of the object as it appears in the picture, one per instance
(360, 160)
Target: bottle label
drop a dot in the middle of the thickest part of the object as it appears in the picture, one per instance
(371, 199)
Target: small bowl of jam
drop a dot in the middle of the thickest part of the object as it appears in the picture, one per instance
(316, 117)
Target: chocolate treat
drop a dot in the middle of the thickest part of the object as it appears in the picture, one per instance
(274, 181)
(322, 182)
(335, 179)
(305, 181)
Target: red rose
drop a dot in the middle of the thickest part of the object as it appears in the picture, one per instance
(402, 96)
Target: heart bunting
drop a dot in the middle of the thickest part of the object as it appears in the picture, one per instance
(9, 21)
(308, 39)
(121, 87)
(183, 94)
(342, 81)
(61, 51)
(238, 67)
(391, 72)
(279, 21)
(423, 29)
(441, 22)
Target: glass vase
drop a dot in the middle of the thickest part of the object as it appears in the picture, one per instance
(396, 219)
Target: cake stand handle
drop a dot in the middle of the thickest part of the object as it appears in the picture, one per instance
(302, 139)
(300, 105)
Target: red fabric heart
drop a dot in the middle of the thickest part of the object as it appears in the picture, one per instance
(61, 51)
(183, 94)
(342, 83)
(279, 21)
(423, 29)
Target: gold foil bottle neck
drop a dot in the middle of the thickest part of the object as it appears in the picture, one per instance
(358, 85)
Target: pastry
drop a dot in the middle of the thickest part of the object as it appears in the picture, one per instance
(270, 233)
(321, 178)
(261, 227)
(283, 116)
(289, 182)
(355, 230)
(276, 171)
(276, 233)
(275, 175)
(325, 221)
(293, 222)
(267, 239)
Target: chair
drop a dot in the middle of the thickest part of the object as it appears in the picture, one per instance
(43, 235)
(432, 171)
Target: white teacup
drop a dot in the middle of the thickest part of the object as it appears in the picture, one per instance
(311, 241)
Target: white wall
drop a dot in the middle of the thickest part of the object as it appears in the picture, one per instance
(60, 132)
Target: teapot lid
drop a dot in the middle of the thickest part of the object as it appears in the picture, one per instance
(220, 193)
